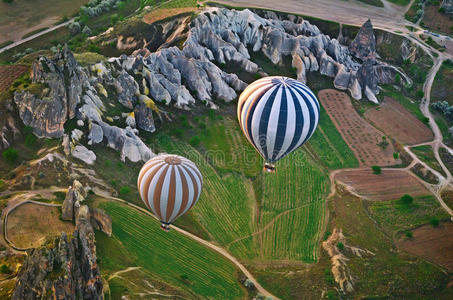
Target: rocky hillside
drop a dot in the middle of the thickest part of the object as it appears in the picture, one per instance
(64, 268)
(111, 100)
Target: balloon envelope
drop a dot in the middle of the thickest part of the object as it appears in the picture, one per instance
(277, 115)
(169, 185)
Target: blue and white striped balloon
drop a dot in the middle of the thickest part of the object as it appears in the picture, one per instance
(277, 115)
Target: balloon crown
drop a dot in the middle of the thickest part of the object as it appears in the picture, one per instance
(172, 160)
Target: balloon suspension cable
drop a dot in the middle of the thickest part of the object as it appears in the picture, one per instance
(269, 168)
(165, 226)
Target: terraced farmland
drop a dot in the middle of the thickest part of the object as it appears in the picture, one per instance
(257, 216)
(363, 138)
(170, 257)
(10, 73)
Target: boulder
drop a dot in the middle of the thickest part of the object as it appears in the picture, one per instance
(144, 118)
(85, 155)
(100, 220)
(96, 135)
(126, 89)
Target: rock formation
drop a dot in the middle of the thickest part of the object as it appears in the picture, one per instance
(448, 6)
(63, 268)
(74, 209)
(64, 81)
(184, 77)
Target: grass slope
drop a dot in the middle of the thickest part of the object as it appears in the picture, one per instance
(137, 240)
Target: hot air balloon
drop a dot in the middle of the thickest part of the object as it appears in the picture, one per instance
(169, 185)
(277, 115)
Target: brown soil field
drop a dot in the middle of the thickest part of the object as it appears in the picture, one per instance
(389, 185)
(432, 244)
(360, 136)
(437, 21)
(29, 225)
(397, 122)
(163, 13)
(8, 74)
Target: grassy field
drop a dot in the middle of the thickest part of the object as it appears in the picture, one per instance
(442, 89)
(137, 240)
(396, 217)
(426, 154)
(328, 145)
(377, 3)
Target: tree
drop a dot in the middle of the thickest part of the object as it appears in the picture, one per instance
(4, 269)
(406, 199)
(409, 234)
(340, 246)
(10, 155)
(434, 222)
(125, 190)
(396, 155)
(376, 170)
(397, 78)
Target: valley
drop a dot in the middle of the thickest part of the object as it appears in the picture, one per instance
(361, 210)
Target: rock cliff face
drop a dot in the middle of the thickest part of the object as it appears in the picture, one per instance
(64, 268)
(184, 77)
(74, 209)
(47, 113)
(448, 6)
(8, 125)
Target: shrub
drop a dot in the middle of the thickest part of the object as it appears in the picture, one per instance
(2, 185)
(396, 155)
(8, 1)
(10, 155)
(420, 94)
(125, 190)
(397, 78)
(108, 163)
(113, 182)
(195, 141)
(30, 140)
(434, 222)
(409, 234)
(406, 199)
(4, 268)
(340, 246)
(376, 170)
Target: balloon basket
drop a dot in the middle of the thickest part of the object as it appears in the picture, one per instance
(165, 227)
(269, 168)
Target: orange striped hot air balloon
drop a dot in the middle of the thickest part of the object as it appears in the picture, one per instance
(169, 185)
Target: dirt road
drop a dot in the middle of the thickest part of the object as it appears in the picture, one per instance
(218, 249)
(31, 37)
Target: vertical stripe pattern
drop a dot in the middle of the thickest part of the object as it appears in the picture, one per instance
(277, 115)
(169, 185)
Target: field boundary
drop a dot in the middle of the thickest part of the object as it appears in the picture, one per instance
(5, 220)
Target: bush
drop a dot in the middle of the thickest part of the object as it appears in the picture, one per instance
(10, 155)
(434, 222)
(340, 246)
(195, 141)
(30, 140)
(406, 199)
(396, 155)
(409, 234)
(125, 190)
(2, 185)
(376, 170)
(420, 94)
(4, 268)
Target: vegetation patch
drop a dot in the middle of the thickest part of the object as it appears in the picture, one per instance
(398, 216)
(426, 154)
(137, 240)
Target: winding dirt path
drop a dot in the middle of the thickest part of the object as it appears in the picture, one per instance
(216, 248)
(31, 37)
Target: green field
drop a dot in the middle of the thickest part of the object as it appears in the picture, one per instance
(426, 154)
(329, 147)
(255, 215)
(395, 217)
(137, 240)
